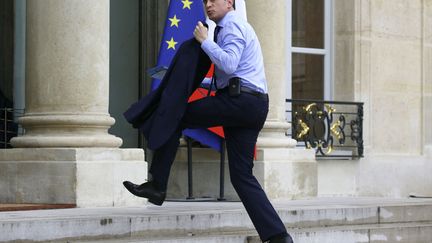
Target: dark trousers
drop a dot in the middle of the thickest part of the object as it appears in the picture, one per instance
(242, 118)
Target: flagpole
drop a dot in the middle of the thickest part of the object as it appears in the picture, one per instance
(190, 178)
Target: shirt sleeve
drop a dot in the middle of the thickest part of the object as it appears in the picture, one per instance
(227, 56)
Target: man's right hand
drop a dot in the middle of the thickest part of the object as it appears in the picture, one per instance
(200, 32)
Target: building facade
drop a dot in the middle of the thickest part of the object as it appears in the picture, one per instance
(75, 69)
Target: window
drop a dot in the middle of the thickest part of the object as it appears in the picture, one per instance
(309, 47)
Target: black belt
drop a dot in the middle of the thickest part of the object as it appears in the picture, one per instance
(253, 92)
(248, 91)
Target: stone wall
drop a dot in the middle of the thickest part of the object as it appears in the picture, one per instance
(382, 57)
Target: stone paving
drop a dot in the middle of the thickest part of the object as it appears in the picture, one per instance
(347, 218)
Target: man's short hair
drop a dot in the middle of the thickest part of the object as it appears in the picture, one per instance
(205, 2)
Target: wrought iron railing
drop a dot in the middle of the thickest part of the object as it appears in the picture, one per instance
(333, 128)
(9, 128)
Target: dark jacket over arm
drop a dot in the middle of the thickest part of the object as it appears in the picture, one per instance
(159, 113)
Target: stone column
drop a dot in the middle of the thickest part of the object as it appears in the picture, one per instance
(66, 155)
(285, 171)
(268, 20)
(67, 73)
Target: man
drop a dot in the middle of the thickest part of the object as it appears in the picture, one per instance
(240, 106)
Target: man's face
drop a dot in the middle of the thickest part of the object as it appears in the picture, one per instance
(216, 9)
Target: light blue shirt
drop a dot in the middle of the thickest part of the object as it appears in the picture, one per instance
(237, 54)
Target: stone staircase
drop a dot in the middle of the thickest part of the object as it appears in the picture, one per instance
(331, 220)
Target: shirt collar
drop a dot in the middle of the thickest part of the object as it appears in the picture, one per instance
(228, 16)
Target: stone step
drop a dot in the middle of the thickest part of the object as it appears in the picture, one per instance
(392, 233)
(178, 239)
(401, 233)
(223, 222)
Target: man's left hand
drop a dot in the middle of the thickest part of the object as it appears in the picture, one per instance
(200, 32)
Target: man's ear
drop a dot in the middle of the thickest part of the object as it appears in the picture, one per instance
(230, 3)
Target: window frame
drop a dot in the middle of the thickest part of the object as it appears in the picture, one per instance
(327, 52)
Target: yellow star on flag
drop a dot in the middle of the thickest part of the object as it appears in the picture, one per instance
(171, 43)
(174, 21)
(186, 4)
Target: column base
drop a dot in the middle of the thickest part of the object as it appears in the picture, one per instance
(66, 131)
(273, 135)
(287, 173)
(105, 141)
(87, 177)
(283, 173)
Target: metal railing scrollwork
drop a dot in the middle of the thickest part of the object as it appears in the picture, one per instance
(8, 126)
(333, 128)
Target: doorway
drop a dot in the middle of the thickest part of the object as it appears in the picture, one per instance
(135, 33)
(8, 128)
(6, 52)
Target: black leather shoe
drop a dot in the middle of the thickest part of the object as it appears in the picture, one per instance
(284, 239)
(147, 190)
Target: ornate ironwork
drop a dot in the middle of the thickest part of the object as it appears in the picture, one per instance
(357, 129)
(332, 128)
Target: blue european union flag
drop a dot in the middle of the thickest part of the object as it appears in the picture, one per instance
(182, 17)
